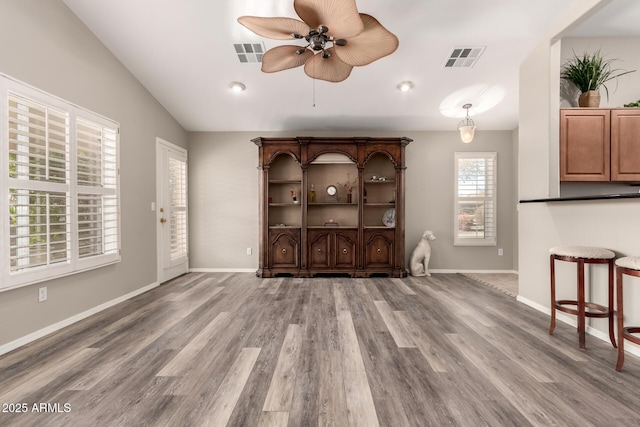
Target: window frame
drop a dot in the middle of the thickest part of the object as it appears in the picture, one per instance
(73, 264)
(476, 241)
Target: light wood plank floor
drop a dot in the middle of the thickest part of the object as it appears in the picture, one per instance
(507, 283)
(237, 350)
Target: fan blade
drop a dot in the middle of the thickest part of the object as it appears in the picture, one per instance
(284, 57)
(330, 69)
(275, 28)
(370, 45)
(339, 16)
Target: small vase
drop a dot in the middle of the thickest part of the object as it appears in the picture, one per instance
(349, 198)
(589, 99)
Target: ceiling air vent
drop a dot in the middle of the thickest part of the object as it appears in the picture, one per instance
(249, 52)
(463, 57)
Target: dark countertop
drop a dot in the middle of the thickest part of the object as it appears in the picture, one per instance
(579, 198)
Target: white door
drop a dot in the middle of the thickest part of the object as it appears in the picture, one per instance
(171, 210)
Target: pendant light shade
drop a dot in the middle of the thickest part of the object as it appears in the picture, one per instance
(466, 127)
(467, 133)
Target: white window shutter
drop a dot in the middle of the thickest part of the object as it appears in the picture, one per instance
(475, 199)
(96, 159)
(62, 185)
(39, 220)
(178, 208)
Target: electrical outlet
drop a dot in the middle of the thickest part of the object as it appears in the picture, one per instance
(248, 251)
(500, 252)
(42, 294)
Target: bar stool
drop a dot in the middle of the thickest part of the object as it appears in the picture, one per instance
(582, 255)
(631, 266)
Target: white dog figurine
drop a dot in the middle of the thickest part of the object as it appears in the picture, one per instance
(419, 264)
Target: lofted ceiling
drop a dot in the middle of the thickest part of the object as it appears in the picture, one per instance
(182, 52)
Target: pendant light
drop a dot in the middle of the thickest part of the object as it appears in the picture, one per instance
(466, 127)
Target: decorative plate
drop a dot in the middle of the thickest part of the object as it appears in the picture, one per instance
(389, 217)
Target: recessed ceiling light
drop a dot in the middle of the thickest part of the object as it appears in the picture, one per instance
(237, 86)
(405, 86)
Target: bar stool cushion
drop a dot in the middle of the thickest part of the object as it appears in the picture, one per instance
(632, 262)
(582, 252)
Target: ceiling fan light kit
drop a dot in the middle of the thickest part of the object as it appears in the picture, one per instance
(467, 127)
(338, 38)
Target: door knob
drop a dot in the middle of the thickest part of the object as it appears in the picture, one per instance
(163, 220)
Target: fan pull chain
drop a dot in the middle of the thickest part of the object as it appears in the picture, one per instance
(313, 91)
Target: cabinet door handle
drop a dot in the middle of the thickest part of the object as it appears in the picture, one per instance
(284, 251)
(319, 250)
(379, 250)
(344, 251)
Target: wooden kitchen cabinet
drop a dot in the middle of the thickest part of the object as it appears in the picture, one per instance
(585, 144)
(600, 144)
(625, 144)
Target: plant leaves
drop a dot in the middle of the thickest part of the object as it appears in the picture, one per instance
(591, 71)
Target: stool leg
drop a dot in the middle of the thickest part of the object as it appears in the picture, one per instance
(553, 294)
(620, 319)
(612, 335)
(581, 305)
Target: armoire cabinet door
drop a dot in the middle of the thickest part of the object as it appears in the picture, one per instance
(319, 248)
(332, 248)
(378, 248)
(345, 248)
(284, 245)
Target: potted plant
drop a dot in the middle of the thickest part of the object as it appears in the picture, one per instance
(588, 72)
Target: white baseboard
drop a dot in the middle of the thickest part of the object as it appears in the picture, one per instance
(533, 304)
(10, 346)
(223, 270)
(454, 271)
(571, 320)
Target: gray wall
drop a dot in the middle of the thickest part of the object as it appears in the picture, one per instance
(430, 190)
(223, 191)
(223, 200)
(44, 45)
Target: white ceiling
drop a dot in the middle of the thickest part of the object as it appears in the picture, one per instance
(182, 52)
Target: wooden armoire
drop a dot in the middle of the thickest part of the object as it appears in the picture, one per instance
(331, 206)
